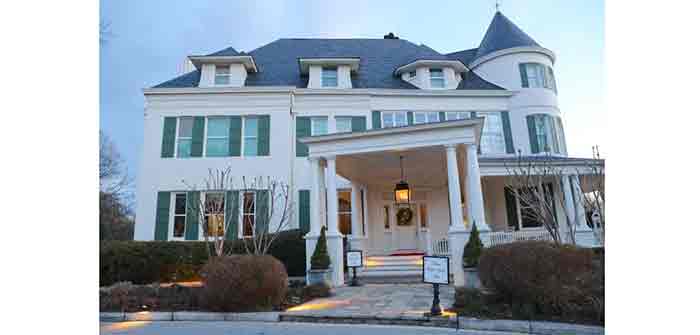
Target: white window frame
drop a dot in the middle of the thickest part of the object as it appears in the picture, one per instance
(537, 79)
(178, 138)
(426, 117)
(242, 214)
(494, 116)
(347, 119)
(451, 116)
(206, 216)
(315, 119)
(441, 77)
(206, 134)
(226, 76)
(393, 118)
(244, 137)
(171, 222)
(324, 84)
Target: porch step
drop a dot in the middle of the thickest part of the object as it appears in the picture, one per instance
(392, 269)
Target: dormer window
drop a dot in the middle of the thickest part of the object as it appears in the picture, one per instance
(223, 75)
(437, 78)
(329, 76)
(412, 74)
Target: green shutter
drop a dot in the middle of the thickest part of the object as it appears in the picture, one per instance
(511, 208)
(523, 75)
(507, 133)
(169, 127)
(551, 78)
(376, 119)
(303, 129)
(442, 116)
(162, 216)
(197, 137)
(192, 220)
(409, 117)
(472, 115)
(359, 123)
(534, 146)
(264, 135)
(261, 211)
(234, 136)
(304, 211)
(232, 214)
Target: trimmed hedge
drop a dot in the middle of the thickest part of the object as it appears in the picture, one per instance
(142, 262)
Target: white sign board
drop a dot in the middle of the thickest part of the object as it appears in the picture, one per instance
(436, 270)
(354, 258)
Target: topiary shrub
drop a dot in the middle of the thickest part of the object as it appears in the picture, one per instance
(472, 250)
(542, 278)
(243, 283)
(320, 259)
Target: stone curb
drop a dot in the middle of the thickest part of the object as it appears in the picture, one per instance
(530, 327)
(442, 322)
(189, 316)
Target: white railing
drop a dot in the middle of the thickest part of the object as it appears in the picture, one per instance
(441, 247)
(504, 237)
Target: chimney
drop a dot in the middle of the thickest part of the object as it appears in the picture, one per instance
(391, 36)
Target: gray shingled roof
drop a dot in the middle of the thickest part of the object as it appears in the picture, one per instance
(464, 56)
(503, 34)
(226, 52)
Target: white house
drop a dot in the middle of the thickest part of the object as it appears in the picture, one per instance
(336, 119)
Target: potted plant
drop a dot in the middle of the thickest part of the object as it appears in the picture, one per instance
(470, 260)
(320, 272)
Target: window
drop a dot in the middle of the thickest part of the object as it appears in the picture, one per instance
(425, 117)
(179, 215)
(344, 212)
(528, 214)
(492, 139)
(319, 126)
(343, 124)
(449, 116)
(423, 212)
(250, 136)
(412, 74)
(329, 77)
(540, 76)
(387, 225)
(184, 136)
(248, 214)
(214, 214)
(217, 136)
(223, 75)
(437, 78)
(548, 133)
(394, 119)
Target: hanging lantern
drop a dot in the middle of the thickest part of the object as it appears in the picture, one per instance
(402, 192)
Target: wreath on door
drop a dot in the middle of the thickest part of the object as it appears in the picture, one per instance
(404, 216)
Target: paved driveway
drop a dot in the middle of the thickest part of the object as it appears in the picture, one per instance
(262, 328)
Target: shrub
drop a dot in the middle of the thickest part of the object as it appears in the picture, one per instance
(243, 283)
(543, 278)
(316, 291)
(320, 259)
(143, 262)
(472, 250)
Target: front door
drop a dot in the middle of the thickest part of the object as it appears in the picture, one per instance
(406, 227)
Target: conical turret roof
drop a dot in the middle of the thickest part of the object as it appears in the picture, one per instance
(503, 34)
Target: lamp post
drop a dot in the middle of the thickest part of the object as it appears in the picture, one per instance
(402, 191)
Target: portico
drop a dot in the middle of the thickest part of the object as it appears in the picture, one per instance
(442, 168)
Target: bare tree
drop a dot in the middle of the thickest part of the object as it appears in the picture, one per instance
(593, 180)
(115, 193)
(114, 175)
(262, 226)
(105, 31)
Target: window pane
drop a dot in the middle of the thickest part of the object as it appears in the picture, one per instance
(319, 126)
(222, 79)
(184, 147)
(400, 119)
(223, 70)
(435, 73)
(418, 117)
(186, 126)
(329, 77)
(433, 117)
(387, 120)
(449, 116)
(249, 203)
(217, 147)
(345, 223)
(214, 203)
(344, 201)
(423, 215)
(251, 126)
(179, 227)
(343, 124)
(439, 83)
(180, 203)
(217, 127)
(248, 223)
(492, 140)
(250, 147)
(215, 225)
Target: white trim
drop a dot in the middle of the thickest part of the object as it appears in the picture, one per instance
(334, 91)
(305, 63)
(241, 202)
(485, 58)
(247, 61)
(171, 218)
(458, 66)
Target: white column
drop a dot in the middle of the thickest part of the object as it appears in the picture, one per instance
(569, 206)
(457, 232)
(456, 220)
(476, 198)
(357, 238)
(315, 201)
(581, 225)
(333, 237)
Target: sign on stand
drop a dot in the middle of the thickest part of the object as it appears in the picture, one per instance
(353, 258)
(436, 271)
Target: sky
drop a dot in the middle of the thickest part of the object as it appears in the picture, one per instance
(148, 42)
